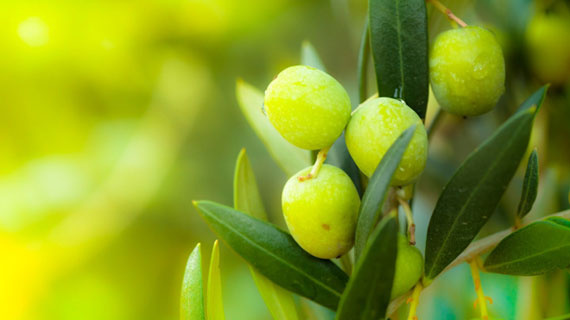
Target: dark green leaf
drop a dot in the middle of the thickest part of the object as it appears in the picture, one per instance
(399, 42)
(540, 247)
(367, 294)
(310, 57)
(192, 297)
(530, 185)
(248, 200)
(473, 193)
(275, 254)
(371, 207)
(363, 57)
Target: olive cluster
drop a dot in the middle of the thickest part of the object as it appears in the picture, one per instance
(311, 109)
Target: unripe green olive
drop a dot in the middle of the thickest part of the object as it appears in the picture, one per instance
(374, 127)
(321, 212)
(409, 266)
(307, 106)
(467, 71)
(548, 43)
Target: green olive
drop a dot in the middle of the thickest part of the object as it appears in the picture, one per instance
(308, 107)
(321, 212)
(548, 44)
(467, 71)
(409, 266)
(374, 127)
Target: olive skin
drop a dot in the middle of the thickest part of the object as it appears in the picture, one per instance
(374, 127)
(321, 212)
(307, 106)
(409, 267)
(467, 71)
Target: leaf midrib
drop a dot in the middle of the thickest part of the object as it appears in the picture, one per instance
(492, 167)
(528, 257)
(284, 262)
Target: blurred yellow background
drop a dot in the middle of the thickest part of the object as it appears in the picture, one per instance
(116, 114)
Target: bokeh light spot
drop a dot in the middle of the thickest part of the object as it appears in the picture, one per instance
(33, 31)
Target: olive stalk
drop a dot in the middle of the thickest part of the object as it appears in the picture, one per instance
(321, 157)
(452, 17)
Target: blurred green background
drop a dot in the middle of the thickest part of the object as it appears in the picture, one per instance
(116, 114)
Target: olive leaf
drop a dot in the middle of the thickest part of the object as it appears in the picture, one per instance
(373, 198)
(399, 42)
(367, 294)
(530, 185)
(192, 297)
(538, 248)
(214, 302)
(289, 157)
(473, 193)
(275, 254)
(310, 57)
(248, 200)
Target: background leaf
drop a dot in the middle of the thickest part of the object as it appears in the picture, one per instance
(473, 193)
(530, 185)
(399, 42)
(560, 221)
(540, 247)
(192, 297)
(367, 294)
(215, 304)
(310, 57)
(363, 57)
(248, 200)
(290, 158)
(378, 186)
(275, 254)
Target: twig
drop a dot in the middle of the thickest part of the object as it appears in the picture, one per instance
(439, 6)
(474, 250)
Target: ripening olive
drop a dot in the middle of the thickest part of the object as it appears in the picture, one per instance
(467, 71)
(321, 212)
(308, 107)
(409, 266)
(374, 127)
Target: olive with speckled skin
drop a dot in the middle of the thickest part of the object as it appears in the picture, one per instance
(374, 127)
(467, 71)
(409, 266)
(321, 212)
(307, 106)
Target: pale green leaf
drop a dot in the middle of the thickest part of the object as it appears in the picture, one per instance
(215, 305)
(192, 297)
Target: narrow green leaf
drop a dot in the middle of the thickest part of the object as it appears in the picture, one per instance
(248, 200)
(192, 297)
(535, 99)
(363, 57)
(310, 57)
(530, 185)
(538, 248)
(275, 254)
(373, 199)
(339, 156)
(290, 158)
(561, 221)
(214, 302)
(367, 294)
(399, 42)
(473, 193)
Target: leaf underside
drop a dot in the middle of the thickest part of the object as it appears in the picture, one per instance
(530, 186)
(192, 297)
